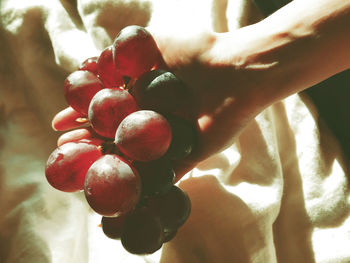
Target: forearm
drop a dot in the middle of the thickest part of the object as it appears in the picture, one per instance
(298, 46)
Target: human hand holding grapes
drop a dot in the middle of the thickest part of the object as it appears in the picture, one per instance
(182, 88)
(216, 102)
(147, 126)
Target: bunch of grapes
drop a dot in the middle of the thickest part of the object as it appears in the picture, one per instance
(123, 161)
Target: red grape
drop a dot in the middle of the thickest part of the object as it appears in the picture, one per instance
(107, 71)
(142, 233)
(112, 226)
(159, 90)
(173, 208)
(112, 187)
(90, 64)
(108, 108)
(157, 176)
(67, 165)
(143, 136)
(79, 88)
(135, 51)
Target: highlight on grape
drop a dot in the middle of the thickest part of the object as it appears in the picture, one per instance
(123, 160)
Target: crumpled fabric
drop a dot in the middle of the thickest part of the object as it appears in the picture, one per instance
(279, 194)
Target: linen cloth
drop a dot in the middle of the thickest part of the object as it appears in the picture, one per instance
(279, 194)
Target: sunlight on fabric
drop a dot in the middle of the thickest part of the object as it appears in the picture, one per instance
(335, 237)
(332, 243)
(180, 16)
(220, 165)
(327, 203)
(256, 196)
(337, 178)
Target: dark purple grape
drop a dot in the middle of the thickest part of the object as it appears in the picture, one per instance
(142, 233)
(173, 208)
(183, 138)
(157, 176)
(169, 235)
(159, 90)
(112, 226)
(112, 187)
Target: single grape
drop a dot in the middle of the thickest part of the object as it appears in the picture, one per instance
(108, 108)
(67, 165)
(143, 136)
(173, 208)
(183, 138)
(90, 64)
(159, 90)
(169, 235)
(112, 187)
(142, 233)
(107, 71)
(112, 226)
(79, 88)
(157, 176)
(135, 51)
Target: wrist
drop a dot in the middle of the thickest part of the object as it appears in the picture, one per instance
(245, 74)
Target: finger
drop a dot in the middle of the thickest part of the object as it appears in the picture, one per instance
(68, 119)
(78, 135)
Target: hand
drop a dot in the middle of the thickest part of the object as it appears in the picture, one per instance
(222, 98)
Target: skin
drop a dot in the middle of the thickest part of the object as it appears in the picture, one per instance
(301, 46)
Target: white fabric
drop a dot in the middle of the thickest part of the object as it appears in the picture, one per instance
(279, 194)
